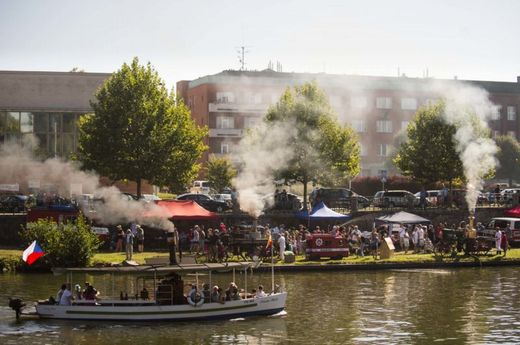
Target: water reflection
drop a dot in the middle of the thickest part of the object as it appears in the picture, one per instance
(465, 306)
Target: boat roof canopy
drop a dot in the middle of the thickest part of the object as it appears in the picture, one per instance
(154, 269)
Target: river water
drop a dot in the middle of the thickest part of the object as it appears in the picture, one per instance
(459, 306)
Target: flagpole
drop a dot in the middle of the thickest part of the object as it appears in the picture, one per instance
(272, 268)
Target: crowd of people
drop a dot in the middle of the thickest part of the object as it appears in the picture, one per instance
(65, 295)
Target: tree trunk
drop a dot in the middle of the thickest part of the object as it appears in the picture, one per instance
(304, 192)
(138, 181)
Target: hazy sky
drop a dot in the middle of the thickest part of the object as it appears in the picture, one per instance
(472, 39)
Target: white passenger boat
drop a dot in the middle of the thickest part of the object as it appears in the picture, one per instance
(166, 302)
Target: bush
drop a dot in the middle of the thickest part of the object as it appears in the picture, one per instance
(65, 245)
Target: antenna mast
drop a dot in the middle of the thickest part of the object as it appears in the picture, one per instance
(242, 50)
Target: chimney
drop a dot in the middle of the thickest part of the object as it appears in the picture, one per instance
(518, 79)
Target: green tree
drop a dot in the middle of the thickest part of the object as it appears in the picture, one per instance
(324, 151)
(140, 131)
(508, 158)
(220, 172)
(66, 245)
(429, 153)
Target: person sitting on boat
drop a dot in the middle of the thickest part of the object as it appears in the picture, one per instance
(144, 294)
(90, 293)
(205, 292)
(215, 295)
(77, 291)
(194, 296)
(260, 292)
(60, 292)
(234, 294)
(222, 296)
(66, 296)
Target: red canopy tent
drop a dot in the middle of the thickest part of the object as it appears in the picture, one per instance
(184, 210)
(513, 212)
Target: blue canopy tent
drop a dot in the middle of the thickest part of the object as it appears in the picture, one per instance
(320, 212)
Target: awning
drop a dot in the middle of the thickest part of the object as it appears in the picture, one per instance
(181, 210)
(403, 218)
(322, 212)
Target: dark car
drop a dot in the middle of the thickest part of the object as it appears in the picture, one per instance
(282, 201)
(338, 198)
(205, 201)
(395, 198)
(13, 203)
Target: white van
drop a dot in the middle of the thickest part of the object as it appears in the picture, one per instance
(200, 187)
(502, 223)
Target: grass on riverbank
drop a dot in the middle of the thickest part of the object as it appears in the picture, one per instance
(10, 259)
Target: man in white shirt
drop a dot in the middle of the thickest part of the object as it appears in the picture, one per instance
(281, 243)
(66, 296)
(261, 293)
(60, 293)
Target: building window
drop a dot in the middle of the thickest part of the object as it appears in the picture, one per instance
(225, 122)
(250, 122)
(358, 102)
(512, 134)
(383, 150)
(495, 113)
(26, 122)
(384, 126)
(225, 97)
(362, 150)
(224, 148)
(408, 103)
(335, 101)
(404, 125)
(384, 103)
(359, 126)
(511, 112)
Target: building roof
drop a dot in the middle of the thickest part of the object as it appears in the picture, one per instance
(269, 77)
(48, 91)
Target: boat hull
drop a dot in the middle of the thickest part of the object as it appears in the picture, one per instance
(208, 311)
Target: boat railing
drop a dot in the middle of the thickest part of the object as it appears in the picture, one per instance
(114, 302)
(164, 294)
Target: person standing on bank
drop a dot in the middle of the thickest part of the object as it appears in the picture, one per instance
(129, 242)
(498, 241)
(140, 238)
(281, 243)
(172, 238)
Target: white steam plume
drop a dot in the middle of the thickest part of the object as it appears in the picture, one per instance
(19, 166)
(469, 109)
(259, 155)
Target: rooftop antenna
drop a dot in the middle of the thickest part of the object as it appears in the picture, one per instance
(242, 51)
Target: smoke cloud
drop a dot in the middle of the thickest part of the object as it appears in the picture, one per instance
(353, 97)
(55, 176)
(259, 155)
(469, 109)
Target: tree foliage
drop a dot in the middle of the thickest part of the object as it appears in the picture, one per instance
(66, 245)
(429, 154)
(324, 150)
(220, 172)
(508, 158)
(140, 131)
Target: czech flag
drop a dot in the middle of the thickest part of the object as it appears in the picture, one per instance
(32, 253)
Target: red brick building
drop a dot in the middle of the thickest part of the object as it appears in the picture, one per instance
(378, 108)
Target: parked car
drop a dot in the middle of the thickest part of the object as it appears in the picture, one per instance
(205, 201)
(282, 201)
(150, 197)
(200, 187)
(503, 223)
(431, 196)
(337, 198)
(13, 203)
(395, 198)
(507, 195)
(222, 197)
